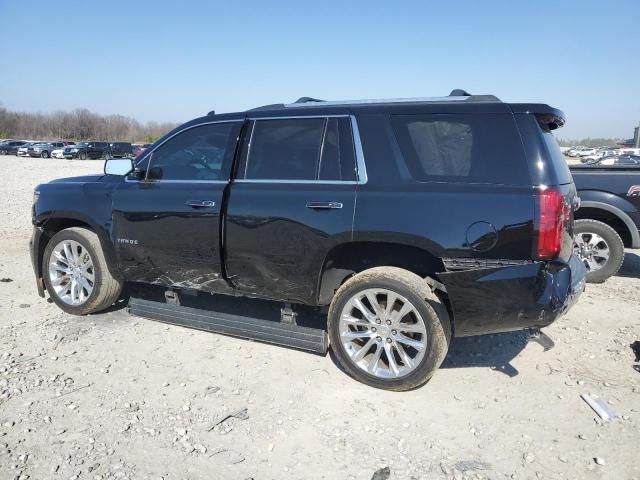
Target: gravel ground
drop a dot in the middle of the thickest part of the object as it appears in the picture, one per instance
(113, 396)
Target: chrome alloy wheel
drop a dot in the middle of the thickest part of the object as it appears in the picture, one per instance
(71, 272)
(383, 333)
(592, 250)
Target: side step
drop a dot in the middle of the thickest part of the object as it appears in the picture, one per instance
(286, 334)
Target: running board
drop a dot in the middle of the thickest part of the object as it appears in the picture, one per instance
(286, 334)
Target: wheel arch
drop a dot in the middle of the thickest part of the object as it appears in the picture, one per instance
(51, 225)
(613, 216)
(347, 259)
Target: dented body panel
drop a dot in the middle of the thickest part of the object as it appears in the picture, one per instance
(515, 297)
(265, 238)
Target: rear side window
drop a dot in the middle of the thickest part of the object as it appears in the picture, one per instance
(305, 149)
(555, 156)
(475, 148)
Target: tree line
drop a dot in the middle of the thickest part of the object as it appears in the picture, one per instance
(590, 142)
(79, 124)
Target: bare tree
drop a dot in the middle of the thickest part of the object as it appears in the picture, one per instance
(79, 124)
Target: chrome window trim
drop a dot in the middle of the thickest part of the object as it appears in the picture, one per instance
(135, 180)
(361, 168)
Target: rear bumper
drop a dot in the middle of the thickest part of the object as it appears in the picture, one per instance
(516, 297)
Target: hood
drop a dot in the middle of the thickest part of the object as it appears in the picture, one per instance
(82, 179)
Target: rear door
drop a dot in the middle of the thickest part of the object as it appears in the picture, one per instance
(292, 201)
(167, 226)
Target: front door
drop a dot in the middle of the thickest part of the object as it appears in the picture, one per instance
(292, 201)
(167, 226)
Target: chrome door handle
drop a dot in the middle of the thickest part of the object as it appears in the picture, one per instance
(324, 205)
(201, 203)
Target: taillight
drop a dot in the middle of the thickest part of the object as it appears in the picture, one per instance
(554, 214)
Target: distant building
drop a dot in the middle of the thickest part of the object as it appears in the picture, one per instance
(632, 142)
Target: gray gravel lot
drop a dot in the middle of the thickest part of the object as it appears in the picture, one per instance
(113, 396)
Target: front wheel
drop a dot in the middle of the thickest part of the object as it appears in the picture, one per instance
(599, 247)
(44, 154)
(388, 329)
(76, 274)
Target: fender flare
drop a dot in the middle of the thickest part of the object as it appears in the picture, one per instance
(626, 219)
(103, 234)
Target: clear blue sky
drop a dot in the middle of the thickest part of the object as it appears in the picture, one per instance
(174, 60)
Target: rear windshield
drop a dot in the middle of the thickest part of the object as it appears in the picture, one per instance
(473, 148)
(555, 156)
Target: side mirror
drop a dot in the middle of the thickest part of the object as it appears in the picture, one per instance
(119, 166)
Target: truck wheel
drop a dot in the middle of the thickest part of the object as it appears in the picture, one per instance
(82, 155)
(599, 247)
(107, 155)
(76, 273)
(388, 329)
(44, 154)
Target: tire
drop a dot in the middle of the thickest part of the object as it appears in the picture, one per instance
(589, 239)
(427, 309)
(107, 155)
(82, 155)
(105, 289)
(44, 154)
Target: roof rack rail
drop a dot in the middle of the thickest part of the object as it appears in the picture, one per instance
(457, 95)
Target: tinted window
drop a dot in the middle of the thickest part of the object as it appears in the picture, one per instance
(285, 149)
(337, 161)
(476, 148)
(195, 154)
(555, 156)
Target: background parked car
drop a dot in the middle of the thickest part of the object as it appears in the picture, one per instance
(628, 160)
(43, 149)
(600, 153)
(57, 153)
(120, 149)
(84, 150)
(22, 151)
(11, 147)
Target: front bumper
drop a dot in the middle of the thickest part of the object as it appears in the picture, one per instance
(532, 295)
(36, 263)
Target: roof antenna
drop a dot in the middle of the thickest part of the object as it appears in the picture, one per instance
(458, 92)
(212, 112)
(307, 99)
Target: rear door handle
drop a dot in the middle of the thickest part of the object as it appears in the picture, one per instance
(324, 205)
(201, 203)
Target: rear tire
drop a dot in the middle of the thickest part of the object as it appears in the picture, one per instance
(105, 289)
(406, 354)
(599, 247)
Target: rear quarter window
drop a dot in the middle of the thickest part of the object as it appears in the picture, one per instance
(463, 148)
(555, 156)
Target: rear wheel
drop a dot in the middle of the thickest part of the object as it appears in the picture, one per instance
(76, 273)
(599, 247)
(388, 329)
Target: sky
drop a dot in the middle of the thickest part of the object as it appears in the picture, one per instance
(176, 60)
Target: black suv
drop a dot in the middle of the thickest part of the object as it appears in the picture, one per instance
(120, 149)
(84, 150)
(412, 221)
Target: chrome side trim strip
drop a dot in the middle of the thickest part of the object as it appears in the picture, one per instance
(357, 142)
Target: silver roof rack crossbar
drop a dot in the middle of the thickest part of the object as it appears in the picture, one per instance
(456, 95)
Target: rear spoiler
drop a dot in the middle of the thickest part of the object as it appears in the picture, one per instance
(548, 117)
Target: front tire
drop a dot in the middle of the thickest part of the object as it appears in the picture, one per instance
(82, 155)
(44, 154)
(76, 274)
(599, 247)
(388, 329)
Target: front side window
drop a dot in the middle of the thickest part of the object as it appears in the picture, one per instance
(306, 149)
(195, 154)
